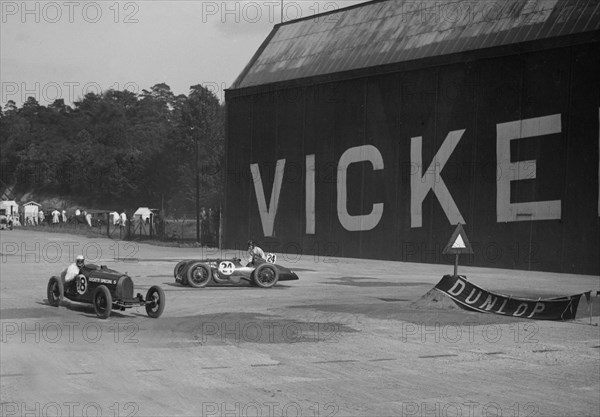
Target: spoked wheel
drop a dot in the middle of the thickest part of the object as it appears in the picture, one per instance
(180, 270)
(55, 291)
(198, 275)
(266, 275)
(102, 301)
(155, 301)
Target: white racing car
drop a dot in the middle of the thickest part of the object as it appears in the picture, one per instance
(198, 273)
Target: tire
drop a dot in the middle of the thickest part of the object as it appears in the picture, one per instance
(266, 275)
(198, 275)
(55, 292)
(102, 301)
(155, 309)
(180, 270)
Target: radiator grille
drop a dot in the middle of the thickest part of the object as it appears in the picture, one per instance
(125, 287)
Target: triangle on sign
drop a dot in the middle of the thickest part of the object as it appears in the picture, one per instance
(459, 243)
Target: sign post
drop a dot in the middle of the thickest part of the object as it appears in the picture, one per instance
(458, 243)
(456, 265)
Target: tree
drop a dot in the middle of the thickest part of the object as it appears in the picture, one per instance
(117, 148)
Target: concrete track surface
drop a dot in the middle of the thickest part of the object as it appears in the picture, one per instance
(350, 338)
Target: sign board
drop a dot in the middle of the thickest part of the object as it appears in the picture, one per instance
(471, 297)
(458, 243)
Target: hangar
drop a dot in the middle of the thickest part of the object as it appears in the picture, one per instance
(373, 130)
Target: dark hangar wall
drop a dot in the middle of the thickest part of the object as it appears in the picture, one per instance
(516, 138)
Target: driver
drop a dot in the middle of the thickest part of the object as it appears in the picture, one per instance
(256, 255)
(73, 270)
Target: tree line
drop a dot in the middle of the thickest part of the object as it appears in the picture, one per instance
(118, 148)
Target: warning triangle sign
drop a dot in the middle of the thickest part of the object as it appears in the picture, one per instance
(458, 243)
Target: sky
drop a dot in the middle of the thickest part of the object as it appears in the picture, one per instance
(64, 49)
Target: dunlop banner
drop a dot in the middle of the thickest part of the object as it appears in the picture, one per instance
(471, 297)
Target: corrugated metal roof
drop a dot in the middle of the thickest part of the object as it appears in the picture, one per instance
(393, 31)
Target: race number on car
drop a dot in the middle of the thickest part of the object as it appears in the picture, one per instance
(81, 284)
(226, 267)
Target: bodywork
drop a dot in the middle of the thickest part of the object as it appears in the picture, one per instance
(105, 289)
(91, 276)
(228, 271)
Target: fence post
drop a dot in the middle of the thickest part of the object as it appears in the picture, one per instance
(220, 237)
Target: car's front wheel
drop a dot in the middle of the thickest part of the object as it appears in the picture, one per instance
(155, 301)
(102, 301)
(198, 275)
(55, 291)
(266, 275)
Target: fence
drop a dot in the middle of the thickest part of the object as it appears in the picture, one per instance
(156, 228)
(137, 228)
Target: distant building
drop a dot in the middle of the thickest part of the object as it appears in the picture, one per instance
(10, 207)
(31, 211)
(143, 213)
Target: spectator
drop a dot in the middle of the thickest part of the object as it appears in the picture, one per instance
(115, 218)
(123, 219)
(203, 227)
(41, 217)
(64, 216)
(88, 218)
(55, 217)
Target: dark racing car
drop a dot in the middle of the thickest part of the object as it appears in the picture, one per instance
(105, 289)
(198, 273)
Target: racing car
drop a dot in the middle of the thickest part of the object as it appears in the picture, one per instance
(198, 273)
(105, 289)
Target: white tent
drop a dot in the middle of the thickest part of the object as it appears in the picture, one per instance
(143, 213)
(31, 210)
(10, 207)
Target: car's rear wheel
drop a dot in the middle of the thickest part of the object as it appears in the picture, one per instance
(55, 291)
(266, 275)
(155, 301)
(102, 301)
(180, 270)
(198, 275)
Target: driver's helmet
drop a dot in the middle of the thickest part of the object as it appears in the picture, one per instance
(79, 260)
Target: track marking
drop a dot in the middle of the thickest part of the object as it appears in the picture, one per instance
(437, 356)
